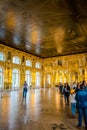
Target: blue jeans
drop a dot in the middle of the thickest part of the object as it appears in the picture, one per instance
(82, 113)
(24, 94)
(73, 108)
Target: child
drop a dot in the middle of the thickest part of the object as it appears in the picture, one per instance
(73, 102)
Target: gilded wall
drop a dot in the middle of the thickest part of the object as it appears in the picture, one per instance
(53, 70)
(8, 66)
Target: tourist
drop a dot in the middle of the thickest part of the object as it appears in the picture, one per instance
(73, 102)
(81, 103)
(25, 89)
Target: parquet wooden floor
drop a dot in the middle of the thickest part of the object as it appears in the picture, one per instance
(44, 109)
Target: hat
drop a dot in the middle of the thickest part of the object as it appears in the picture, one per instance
(72, 91)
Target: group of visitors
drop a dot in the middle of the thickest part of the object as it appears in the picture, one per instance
(77, 96)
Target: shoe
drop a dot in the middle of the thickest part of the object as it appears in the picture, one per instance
(73, 116)
(79, 127)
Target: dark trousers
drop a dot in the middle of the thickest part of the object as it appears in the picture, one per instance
(67, 97)
(82, 113)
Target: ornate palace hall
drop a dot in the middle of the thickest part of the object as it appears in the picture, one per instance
(42, 42)
(44, 109)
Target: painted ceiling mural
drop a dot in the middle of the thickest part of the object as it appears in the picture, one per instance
(45, 28)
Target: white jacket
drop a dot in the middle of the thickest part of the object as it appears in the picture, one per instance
(72, 98)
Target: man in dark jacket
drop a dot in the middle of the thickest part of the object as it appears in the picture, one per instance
(81, 98)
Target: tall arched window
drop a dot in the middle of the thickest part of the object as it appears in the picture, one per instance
(15, 78)
(28, 63)
(16, 60)
(38, 65)
(28, 77)
(1, 56)
(1, 77)
(38, 79)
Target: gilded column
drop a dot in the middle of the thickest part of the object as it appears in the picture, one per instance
(8, 75)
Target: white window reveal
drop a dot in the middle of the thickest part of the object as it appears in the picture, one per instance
(15, 78)
(28, 63)
(16, 60)
(38, 65)
(1, 77)
(38, 79)
(1, 56)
